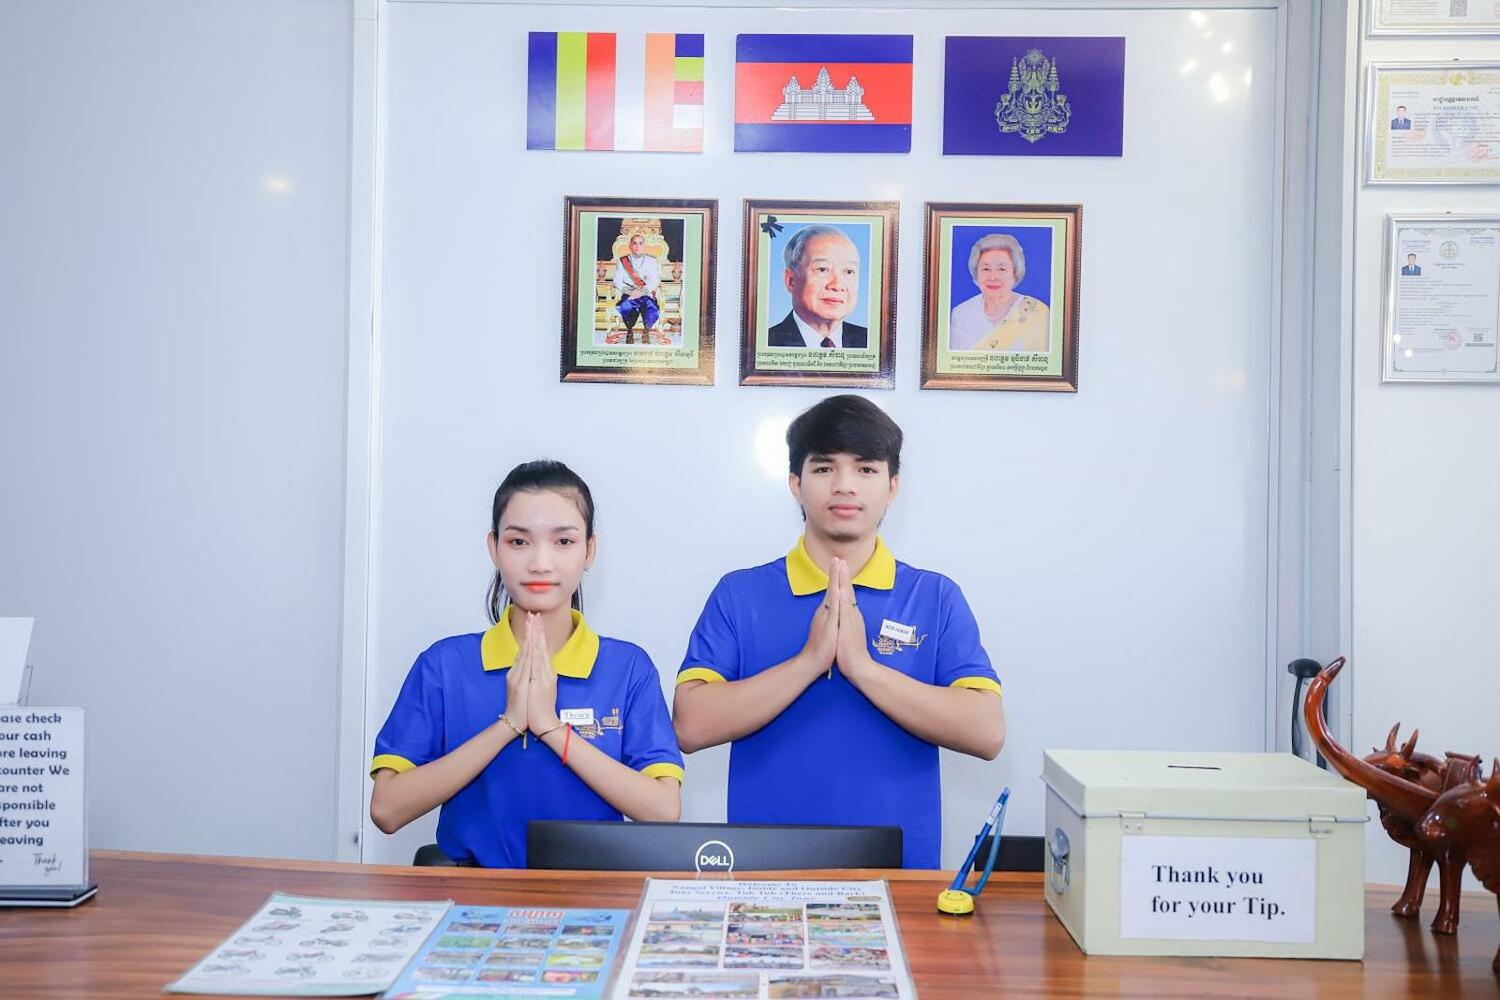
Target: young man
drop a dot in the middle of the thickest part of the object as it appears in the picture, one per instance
(837, 672)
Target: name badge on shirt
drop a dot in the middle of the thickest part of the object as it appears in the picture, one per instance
(576, 716)
(897, 631)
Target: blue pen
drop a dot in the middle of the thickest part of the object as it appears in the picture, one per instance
(956, 899)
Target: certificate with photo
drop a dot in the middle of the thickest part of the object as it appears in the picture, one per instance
(1433, 123)
(1442, 309)
(1434, 17)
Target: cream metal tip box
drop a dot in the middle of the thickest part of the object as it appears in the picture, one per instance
(1244, 854)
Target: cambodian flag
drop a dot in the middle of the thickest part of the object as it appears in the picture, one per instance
(822, 94)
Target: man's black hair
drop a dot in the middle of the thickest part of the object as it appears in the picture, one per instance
(844, 425)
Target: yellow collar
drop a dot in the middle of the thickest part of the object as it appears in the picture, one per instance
(498, 648)
(805, 577)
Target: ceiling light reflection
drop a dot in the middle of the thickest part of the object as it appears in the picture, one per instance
(770, 445)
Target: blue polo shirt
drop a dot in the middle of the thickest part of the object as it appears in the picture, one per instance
(456, 689)
(832, 757)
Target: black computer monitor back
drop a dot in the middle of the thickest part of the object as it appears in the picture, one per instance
(708, 847)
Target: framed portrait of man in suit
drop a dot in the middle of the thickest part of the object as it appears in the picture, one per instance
(638, 290)
(819, 304)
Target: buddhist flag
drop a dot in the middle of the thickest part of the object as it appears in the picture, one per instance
(822, 93)
(596, 90)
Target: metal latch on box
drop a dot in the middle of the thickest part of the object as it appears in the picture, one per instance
(1132, 822)
(1321, 827)
(1061, 852)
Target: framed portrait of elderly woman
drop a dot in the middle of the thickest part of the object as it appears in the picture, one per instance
(638, 290)
(819, 304)
(1001, 297)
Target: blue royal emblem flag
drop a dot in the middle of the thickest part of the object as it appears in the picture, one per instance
(1013, 96)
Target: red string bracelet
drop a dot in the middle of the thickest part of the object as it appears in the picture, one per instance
(567, 735)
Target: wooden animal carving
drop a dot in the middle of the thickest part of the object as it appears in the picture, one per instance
(1438, 776)
(1457, 824)
(1467, 818)
(1428, 772)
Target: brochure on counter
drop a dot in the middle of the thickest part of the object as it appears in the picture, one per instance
(305, 947)
(737, 940)
(499, 952)
(299, 946)
(751, 940)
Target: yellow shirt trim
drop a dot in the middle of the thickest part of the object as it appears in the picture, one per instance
(499, 648)
(700, 674)
(392, 761)
(978, 684)
(805, 576)
(663, 771)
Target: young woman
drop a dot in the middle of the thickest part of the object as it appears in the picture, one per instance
(538, 718)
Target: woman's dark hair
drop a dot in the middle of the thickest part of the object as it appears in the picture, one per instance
(536, 477)
(844, 425)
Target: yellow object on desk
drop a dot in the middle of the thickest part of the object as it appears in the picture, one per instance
(955, 901)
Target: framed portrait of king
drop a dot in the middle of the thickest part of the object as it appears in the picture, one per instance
(819, 304)
(638, 290)
(1001, 295)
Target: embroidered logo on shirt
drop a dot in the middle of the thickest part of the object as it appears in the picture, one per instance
(886, 646)
(611, 721)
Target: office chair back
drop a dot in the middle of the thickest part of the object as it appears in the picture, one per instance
(708, 847)
(1017, 854)
(432, 856)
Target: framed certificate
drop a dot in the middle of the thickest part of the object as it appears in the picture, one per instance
(1442, 299)
(1434, 17)
(1433, 123)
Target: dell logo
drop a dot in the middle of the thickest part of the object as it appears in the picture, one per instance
(713, 856)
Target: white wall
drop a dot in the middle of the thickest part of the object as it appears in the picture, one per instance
(173, 250)
(1114, 543)
(172, 411)
(1426, 503)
